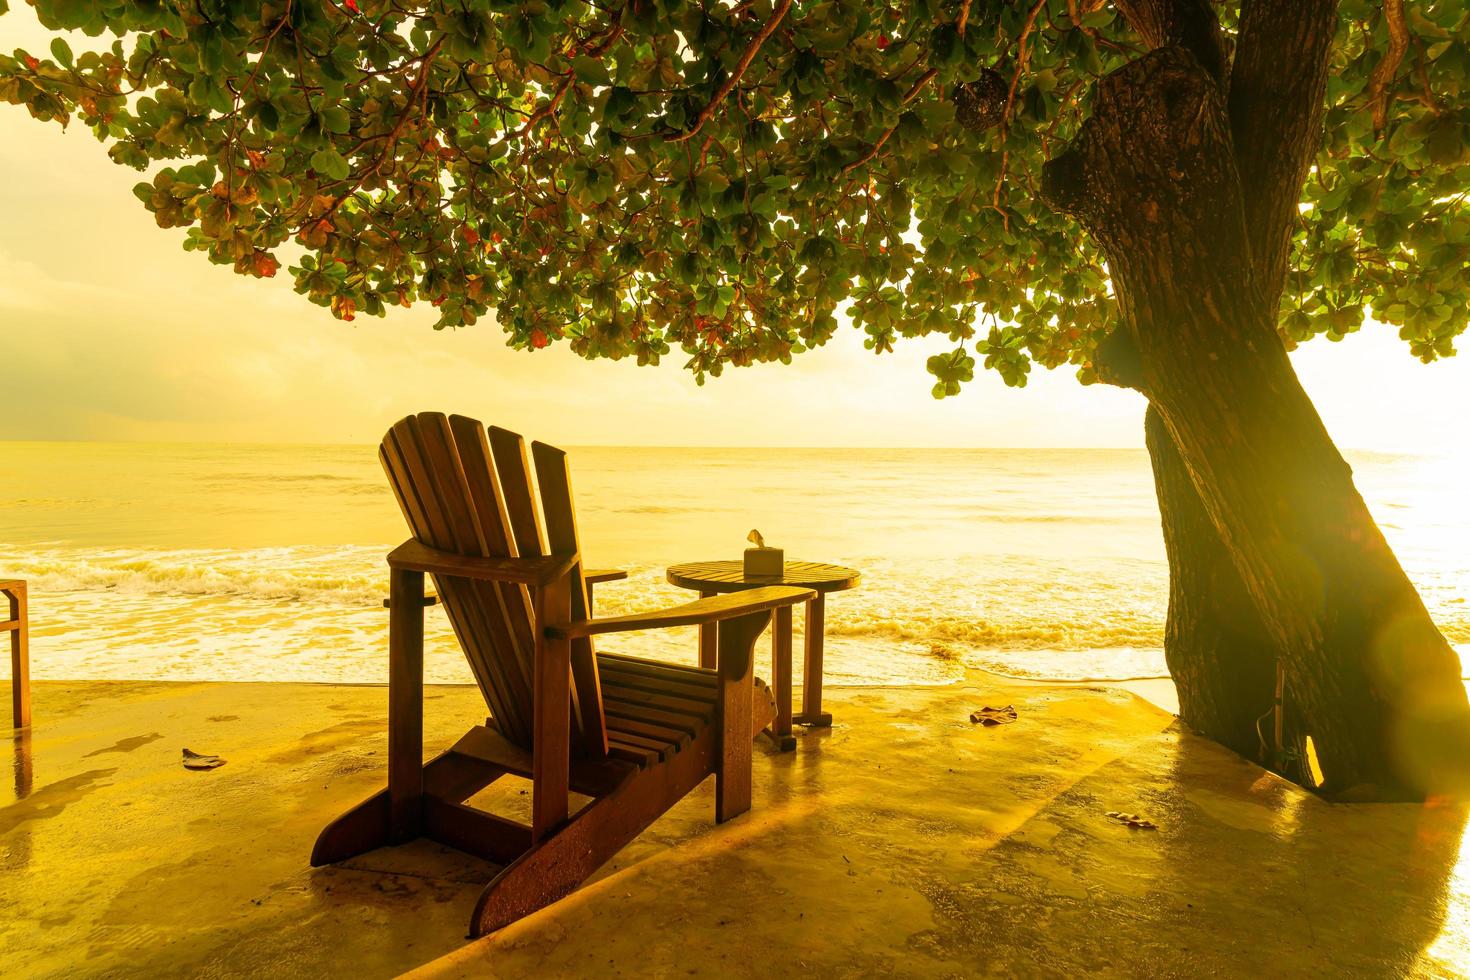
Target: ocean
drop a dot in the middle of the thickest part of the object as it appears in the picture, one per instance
(241, 562)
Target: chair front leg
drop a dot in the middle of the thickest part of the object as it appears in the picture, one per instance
(736, 665)
(405, 704)
(551, 739)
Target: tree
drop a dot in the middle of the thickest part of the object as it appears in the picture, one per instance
(1164, 194)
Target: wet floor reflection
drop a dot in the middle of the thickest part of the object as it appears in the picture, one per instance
(1361, 889)
(1449, 953)
(15, 847)
(25, 773)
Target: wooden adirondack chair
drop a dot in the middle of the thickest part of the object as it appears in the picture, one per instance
(634, 735)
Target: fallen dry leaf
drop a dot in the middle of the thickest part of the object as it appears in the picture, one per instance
(196, 761)
(1133, 820)
(989, 716)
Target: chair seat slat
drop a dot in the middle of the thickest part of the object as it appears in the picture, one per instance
(649, 729)
(638, 755)
(655, 683)
(688, 723)
(698, 674)
(696, 710)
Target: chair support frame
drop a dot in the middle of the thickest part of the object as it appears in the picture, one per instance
(550, 858)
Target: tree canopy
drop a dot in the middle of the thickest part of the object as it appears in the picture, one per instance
(728, 177)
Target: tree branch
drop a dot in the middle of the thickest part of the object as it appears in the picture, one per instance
(418, 89)
(1381, 80)
(229, 147)
(751, 50)
(543, 111)
(1074, 14)
(1278, 86)
(1190, 24)
(1022, 57)
(908, 97)
(924, 79)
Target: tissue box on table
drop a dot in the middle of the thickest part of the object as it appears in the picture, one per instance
(767, 562)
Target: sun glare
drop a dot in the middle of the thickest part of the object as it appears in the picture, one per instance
(1449, 953)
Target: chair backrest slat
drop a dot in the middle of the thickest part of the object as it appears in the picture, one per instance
(432, 481)
(555, 481)
(468, 491)
(509, 450)
(410, 500)
(489, 505)
(485, 625)
(525, 521)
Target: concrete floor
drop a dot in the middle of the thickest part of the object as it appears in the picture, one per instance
(904, 842)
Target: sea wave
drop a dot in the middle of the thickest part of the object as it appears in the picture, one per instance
(317, 611)
(949, 635)
(1003, 516)
(332, 575)
(286, 478)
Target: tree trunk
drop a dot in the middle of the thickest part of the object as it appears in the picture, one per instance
(1220, 656)
(1153, 178)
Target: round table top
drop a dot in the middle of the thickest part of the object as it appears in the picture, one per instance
(729, 576)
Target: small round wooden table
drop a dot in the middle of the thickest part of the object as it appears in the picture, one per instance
(714, 577)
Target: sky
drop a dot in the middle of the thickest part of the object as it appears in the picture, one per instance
(110, 331)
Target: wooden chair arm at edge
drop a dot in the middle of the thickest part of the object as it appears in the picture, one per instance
(696, 613)
(592, 578)
(430, 599)
(604, 575)
(13, 592)
(415, 556)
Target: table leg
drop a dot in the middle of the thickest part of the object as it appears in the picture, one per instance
(709, 641)
(780, 730)
(811, 698)
(20, 658)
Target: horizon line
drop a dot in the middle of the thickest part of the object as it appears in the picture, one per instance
(708, 446)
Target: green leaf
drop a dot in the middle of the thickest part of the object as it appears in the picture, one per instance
(1405, 141)
(1446, 142)
(328, 161)
(335, 119)
(591, 71)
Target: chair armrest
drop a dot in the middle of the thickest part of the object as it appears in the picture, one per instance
(698, 612)
(415, 556)
(604, 575)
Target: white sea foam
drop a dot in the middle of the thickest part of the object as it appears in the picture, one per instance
(340, 576)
